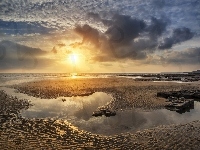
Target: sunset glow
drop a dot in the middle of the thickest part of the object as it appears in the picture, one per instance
(159, 39)
(73, 59)
(99, 74)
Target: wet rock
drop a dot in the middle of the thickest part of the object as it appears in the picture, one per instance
(180, 101)
(104, 111)
(188, 94)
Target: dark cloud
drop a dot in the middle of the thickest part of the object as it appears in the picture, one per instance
(130, 38)
(89, 34)
(120, 38)
(17, 56)
(166, 44)
(182, 34)
(131, 28)
(119, 41)
(145, 44)
(188, 56)
(157, 27)
(179, 35)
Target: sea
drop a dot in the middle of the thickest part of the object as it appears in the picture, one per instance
(16, 78)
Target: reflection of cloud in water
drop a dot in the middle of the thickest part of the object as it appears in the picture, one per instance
(78, 111)
(78, 107)
(91, 103)
(134, 120)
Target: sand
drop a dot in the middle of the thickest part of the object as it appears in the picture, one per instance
(21, 133)
(127, 93)
(17, 132)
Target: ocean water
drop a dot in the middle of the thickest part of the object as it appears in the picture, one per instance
(15, 78)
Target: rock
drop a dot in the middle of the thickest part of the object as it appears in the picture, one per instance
(105, 112)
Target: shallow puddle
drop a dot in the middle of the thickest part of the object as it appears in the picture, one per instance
(62, 107)
(68, 108)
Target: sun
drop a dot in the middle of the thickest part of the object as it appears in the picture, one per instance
(73, 59)
(75, 62)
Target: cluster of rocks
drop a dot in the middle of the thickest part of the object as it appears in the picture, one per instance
(169, 77)
(185, 79)
(103, 111)
(189, 94)
(180, 105)
(180, 101)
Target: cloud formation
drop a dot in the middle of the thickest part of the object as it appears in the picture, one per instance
(188, 56)
(130, 38)
(179, 35)
(17, 56)
(157, 27)
(89, 34)
(130, 28)
(140, 30)
(12, 27)
(59, 14)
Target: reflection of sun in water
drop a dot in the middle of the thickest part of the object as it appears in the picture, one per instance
(74, 75)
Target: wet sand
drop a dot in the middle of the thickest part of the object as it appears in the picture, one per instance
(17, 132)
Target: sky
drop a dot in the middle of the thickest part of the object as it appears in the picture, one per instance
(99, 36)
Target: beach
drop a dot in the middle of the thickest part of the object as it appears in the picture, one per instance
(18, 132)
(104, 75)
(127, 93)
